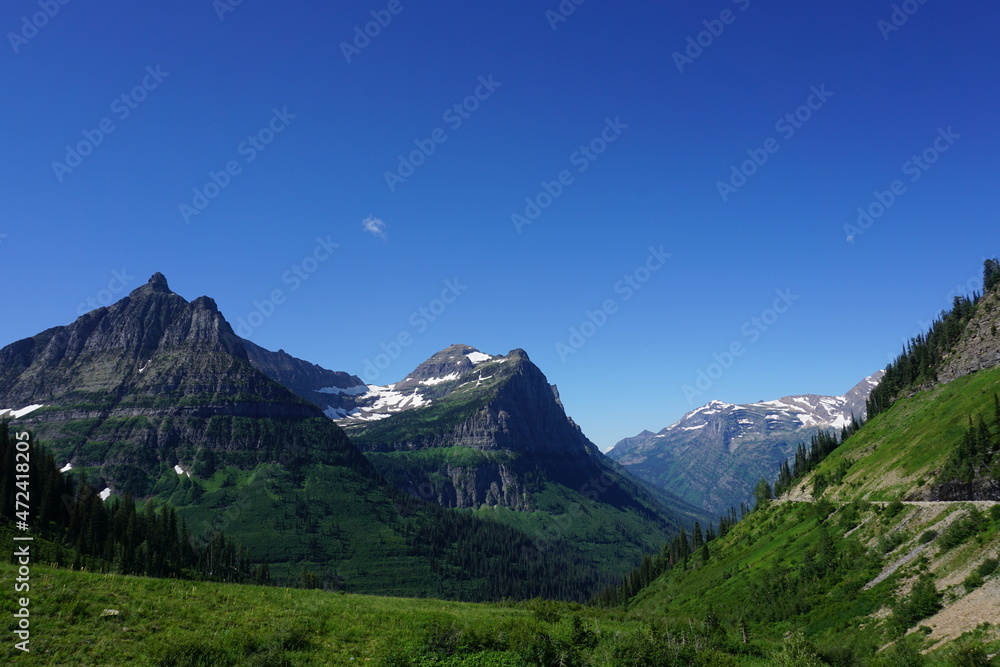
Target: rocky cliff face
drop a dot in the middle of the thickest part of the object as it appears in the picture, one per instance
(153, 380)
(331, 391)
(489, 430)
(979, 348)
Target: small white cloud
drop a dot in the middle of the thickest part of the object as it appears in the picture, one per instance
(374, 226)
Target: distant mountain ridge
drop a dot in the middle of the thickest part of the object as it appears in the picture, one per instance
(331, 391)
(157, 397)
(713, 455)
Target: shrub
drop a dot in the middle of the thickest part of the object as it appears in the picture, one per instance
(900, 654)
(970, 655)
(972, 582)
(987, 567)
(960, 530)
(797, 651)
(927, 536)
(840, 656)
(924, 600)
(714, 658)
(893, 508)
(978, 576)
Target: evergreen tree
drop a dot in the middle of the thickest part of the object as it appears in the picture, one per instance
(762, 493)
(697, 540)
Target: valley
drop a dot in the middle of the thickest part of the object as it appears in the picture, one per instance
(467, 481)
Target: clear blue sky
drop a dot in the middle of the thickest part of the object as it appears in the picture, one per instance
(655, 184)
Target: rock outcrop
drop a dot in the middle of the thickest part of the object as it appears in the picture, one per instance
(979, 348)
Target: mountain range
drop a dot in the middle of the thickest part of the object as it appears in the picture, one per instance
(157, 398)
(467, 480)
(488, 433)
(713, 455)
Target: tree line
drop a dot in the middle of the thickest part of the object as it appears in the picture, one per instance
(113, 536)
(922, 357)
(978, 456)
(472, 558)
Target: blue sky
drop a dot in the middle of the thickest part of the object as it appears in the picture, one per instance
(641, 138)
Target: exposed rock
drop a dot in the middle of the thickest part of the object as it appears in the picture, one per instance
(978, 489)
(310, 381)
(151, 379)
(520, 440)
(979, 348)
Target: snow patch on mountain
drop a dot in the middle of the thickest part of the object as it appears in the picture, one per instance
(17, 414)
(433, 381)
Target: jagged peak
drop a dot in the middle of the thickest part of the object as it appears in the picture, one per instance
(157, 284)
(518, 353)
(206, 302)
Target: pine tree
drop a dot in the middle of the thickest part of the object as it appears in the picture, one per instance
(696, 537)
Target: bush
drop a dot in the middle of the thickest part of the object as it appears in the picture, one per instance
(888, 543)
(978, 576)
(972, 582)
(797, 651)
(970, 655)
(927, 536)
(924, 600)
(900, 654)
(840, 656)
(893, 508)
(959, 531)
(714, 658)
(987, 567)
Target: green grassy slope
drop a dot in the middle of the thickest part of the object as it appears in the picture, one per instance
(841, 568)
(899, 452)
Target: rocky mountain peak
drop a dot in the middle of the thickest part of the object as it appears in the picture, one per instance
(450, 363)
(157, 284)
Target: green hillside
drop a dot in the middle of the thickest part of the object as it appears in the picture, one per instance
(858, 556)
(899, 453)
